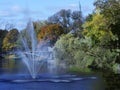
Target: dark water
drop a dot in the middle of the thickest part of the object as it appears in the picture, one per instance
(112, 80)
(15, 76)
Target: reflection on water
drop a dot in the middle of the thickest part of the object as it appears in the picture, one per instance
(112, 80)
(8, 63)
(11, 65)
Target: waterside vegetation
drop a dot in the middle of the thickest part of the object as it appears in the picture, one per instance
(92, 42)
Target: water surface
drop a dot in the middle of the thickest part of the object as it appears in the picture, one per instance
(15, 76)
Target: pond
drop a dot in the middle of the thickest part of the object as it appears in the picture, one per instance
(15, 76)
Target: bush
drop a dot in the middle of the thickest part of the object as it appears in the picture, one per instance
(83, 53)
(115, 67)
(72, 50)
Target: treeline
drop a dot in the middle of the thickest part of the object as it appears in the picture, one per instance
(99, 46)
(92, 42)
(49, 30)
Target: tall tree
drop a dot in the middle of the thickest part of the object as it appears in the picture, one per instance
(77, 20)
(67, 19)
(111, 11)
(63, 18)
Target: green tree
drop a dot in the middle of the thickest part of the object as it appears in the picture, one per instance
(82, 53)
(89, 17)
(96, 28)
(2, 36)
(10, 41)
(73, 50)
(111, 11)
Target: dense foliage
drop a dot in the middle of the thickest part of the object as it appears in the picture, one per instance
(10, 41)
(99, 47)
(38, 25)
(83, 53)
(50, 32)
(2, 36)
(111, 11)
(97, 29)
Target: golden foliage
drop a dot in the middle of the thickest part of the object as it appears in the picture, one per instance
(50, 32)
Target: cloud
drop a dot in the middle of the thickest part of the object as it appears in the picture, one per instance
(16, 8)
(4, 13)
(16, 11)
(19, 16)
(74, 7)
(11, 11)
(57, 8)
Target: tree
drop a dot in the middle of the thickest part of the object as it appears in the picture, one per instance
(109, 8)
(65, 49)
(111, 11)
(89, 17)
(96, 28)
(77, 20)
(67, 19)
(2, 36)
(10, 40)
(63, 18)
(50, 32)
(82, 53)
(38, 24)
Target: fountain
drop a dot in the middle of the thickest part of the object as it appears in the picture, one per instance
(35, 54)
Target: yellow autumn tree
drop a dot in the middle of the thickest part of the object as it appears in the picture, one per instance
(50, 32)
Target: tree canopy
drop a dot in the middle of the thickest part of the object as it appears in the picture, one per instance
(50, 32)
(2, 36)
(67, 19)
(10, 40)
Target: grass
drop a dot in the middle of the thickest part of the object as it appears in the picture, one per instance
(81, 71)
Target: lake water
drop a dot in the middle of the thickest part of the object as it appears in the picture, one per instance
(15, 76)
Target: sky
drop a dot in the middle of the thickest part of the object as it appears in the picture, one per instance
(17, 12)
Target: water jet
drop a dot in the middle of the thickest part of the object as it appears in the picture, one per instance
(35, 54)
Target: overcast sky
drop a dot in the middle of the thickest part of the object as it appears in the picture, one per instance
(17, 11)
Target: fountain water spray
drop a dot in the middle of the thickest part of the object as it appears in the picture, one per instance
(35, 54)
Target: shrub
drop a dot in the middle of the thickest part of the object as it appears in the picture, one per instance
(83, 53)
